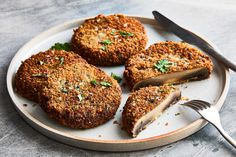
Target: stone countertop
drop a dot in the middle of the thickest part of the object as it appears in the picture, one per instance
(20, 20)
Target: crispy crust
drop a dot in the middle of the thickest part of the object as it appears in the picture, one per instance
(185, 57)
(72, 100)
(45, 63)
(141, 102)
(87, 39)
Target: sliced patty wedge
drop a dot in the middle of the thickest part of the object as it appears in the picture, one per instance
(145, 105)
(34, 71)
(167, 62)
(81, 96)
(109, 40)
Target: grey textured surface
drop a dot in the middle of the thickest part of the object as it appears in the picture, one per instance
(20, 20)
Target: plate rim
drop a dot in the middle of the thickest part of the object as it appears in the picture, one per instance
(41, 127)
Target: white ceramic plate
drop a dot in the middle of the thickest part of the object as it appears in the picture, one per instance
(175, 123)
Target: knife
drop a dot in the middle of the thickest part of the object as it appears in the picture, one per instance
(192, 38)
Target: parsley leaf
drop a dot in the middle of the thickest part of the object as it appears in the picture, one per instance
(102, 83)
(77, 87)
(104, 48)
(62, 60)
(106, 42)
(64, 90)
(177, 114)
(113, 31)
(39, 75)
(94, 82)
(106, 84)
(60, 46)
(163, 65)
(80, 97)
(126, 34)
(116, 77)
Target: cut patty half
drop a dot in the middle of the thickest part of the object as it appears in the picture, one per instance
(167, 62)
(145, 105)
(81, 96)
(109, 40)
(34, 71)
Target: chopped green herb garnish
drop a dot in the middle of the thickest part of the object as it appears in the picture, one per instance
(60, 46)
(161, 90)
(165, 91)
(126, 34)
(94, 82)
(113, 31)
(106, 84)
(163, 65)
(177, 114)
(102, 83)
(41, 62)
(104, 48)
(80, 97)
(106, 42)
(76, 87)
(116, 77)
(40, 75)
(64, 90)
(62, 60)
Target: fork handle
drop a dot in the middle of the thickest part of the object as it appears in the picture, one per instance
(225, 135)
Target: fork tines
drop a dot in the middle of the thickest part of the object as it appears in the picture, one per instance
(197, 104)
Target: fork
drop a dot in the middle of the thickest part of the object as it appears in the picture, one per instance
(211, 114)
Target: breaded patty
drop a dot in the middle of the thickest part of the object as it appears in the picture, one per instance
(167, 62)
(145, 105)
(34, 71)
(109, 40)
(81, 96)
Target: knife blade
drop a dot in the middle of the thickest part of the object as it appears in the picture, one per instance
(192, 38)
